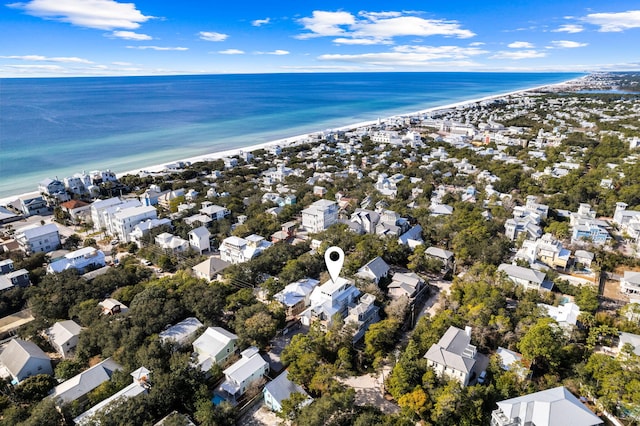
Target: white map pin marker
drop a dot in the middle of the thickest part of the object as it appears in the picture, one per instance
(334, 258)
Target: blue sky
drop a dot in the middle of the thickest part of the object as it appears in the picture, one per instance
(148, 37)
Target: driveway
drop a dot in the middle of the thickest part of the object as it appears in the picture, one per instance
(369, 391)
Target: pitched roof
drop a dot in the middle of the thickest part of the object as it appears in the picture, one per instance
(181, 331)
(211, 266)
(551, 407)
(18, 352)
(85, 382)
(378, 267)
(522, 273)
(453, 350)
(63, 331)
(213, 340)
(281, 387)
(246, 366)
(439, 253)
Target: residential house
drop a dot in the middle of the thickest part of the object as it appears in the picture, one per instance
(375, 270)
(210, 269)
(630, 339)
(320, 215)
(182, 332)
(199, 239)
(453, 356)
(286, 233)
(330, 299)
(248, 370)
(22, 359)
(214, 346)
(11, 278)
(445, 256)
(143, 228)
(63, 336)
(80, 260)
(282, 388)
(53, 191)
(213, 211)
(171, 243)
(585, 226)
(551, 407)
(438, 209)
(584, 258)
(295, 297)
(362, 315)
(624, 217)
(112, 307)
(512, 361)
(515, 226)
(528, 278)
(551, 252)
(237, 250)
(167, 198)
(77, 210)
(38, 238)
(78, 387)
(140, 385)
(412, 238)
(122, 222)
(565, 315)
(630, 282)
(151, 196)
(98, 210)
(33, 206)
(405, 284)
(6, 266)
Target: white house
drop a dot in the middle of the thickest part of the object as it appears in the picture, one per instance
(214, 346)
(630, 282)
(181, 332)
(320, 215)
(405, 284)
(122, 222)
(242, 374)
(295, 297)
(38, 238)
(77, 387)
(454, 355)
(237, 250)
(528, 278)
(143, 228)
(63, 336)
(171, 243)
(551, 407)
(566, 315)
(375, 270)
(215, 212)
(22, 359)
(80, 260)
(362, 315)
(199, 239)
(329, 299)
(282, 388)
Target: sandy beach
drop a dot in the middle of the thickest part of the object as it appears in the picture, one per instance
(292, 140)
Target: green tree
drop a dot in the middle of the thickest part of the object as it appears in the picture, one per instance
(542, 343)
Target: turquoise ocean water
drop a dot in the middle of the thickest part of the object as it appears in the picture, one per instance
(59, 126)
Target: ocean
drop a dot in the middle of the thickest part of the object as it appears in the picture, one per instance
(55, 127)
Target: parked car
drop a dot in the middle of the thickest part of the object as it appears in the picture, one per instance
(482, 377)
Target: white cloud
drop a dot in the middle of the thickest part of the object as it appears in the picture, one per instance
(518, 54)
(122, 64)
(231, 52)
(36, 67)
(130, 35)
(376, 27)
(212, 36)
(568, 28)
(260, 22)
(477, 43)
(614, 22)
(48, 59)
(157, 48)
(521, 45)
(567, 44)
(277, 52)
(407, 55)
(99, 14)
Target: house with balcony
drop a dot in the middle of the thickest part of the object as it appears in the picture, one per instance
(320, 215)
(405, 284)
(249, 370)
(33, 206)
(38, 238)
(143, 228)
(122, 221)
(362, 315)
(630, 282)
(53, 191)
(10, 278)
(551, 407)
(526, 277)
(445, 256)
(237, 250)
(80, 260)
(453, 356)
(330, 299)
(214, 211)
(199, 239)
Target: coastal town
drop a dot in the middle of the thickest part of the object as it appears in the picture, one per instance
(491, 276)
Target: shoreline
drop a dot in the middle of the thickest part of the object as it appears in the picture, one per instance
(292, 140)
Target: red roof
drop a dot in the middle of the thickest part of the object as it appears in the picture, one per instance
(73, 204)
